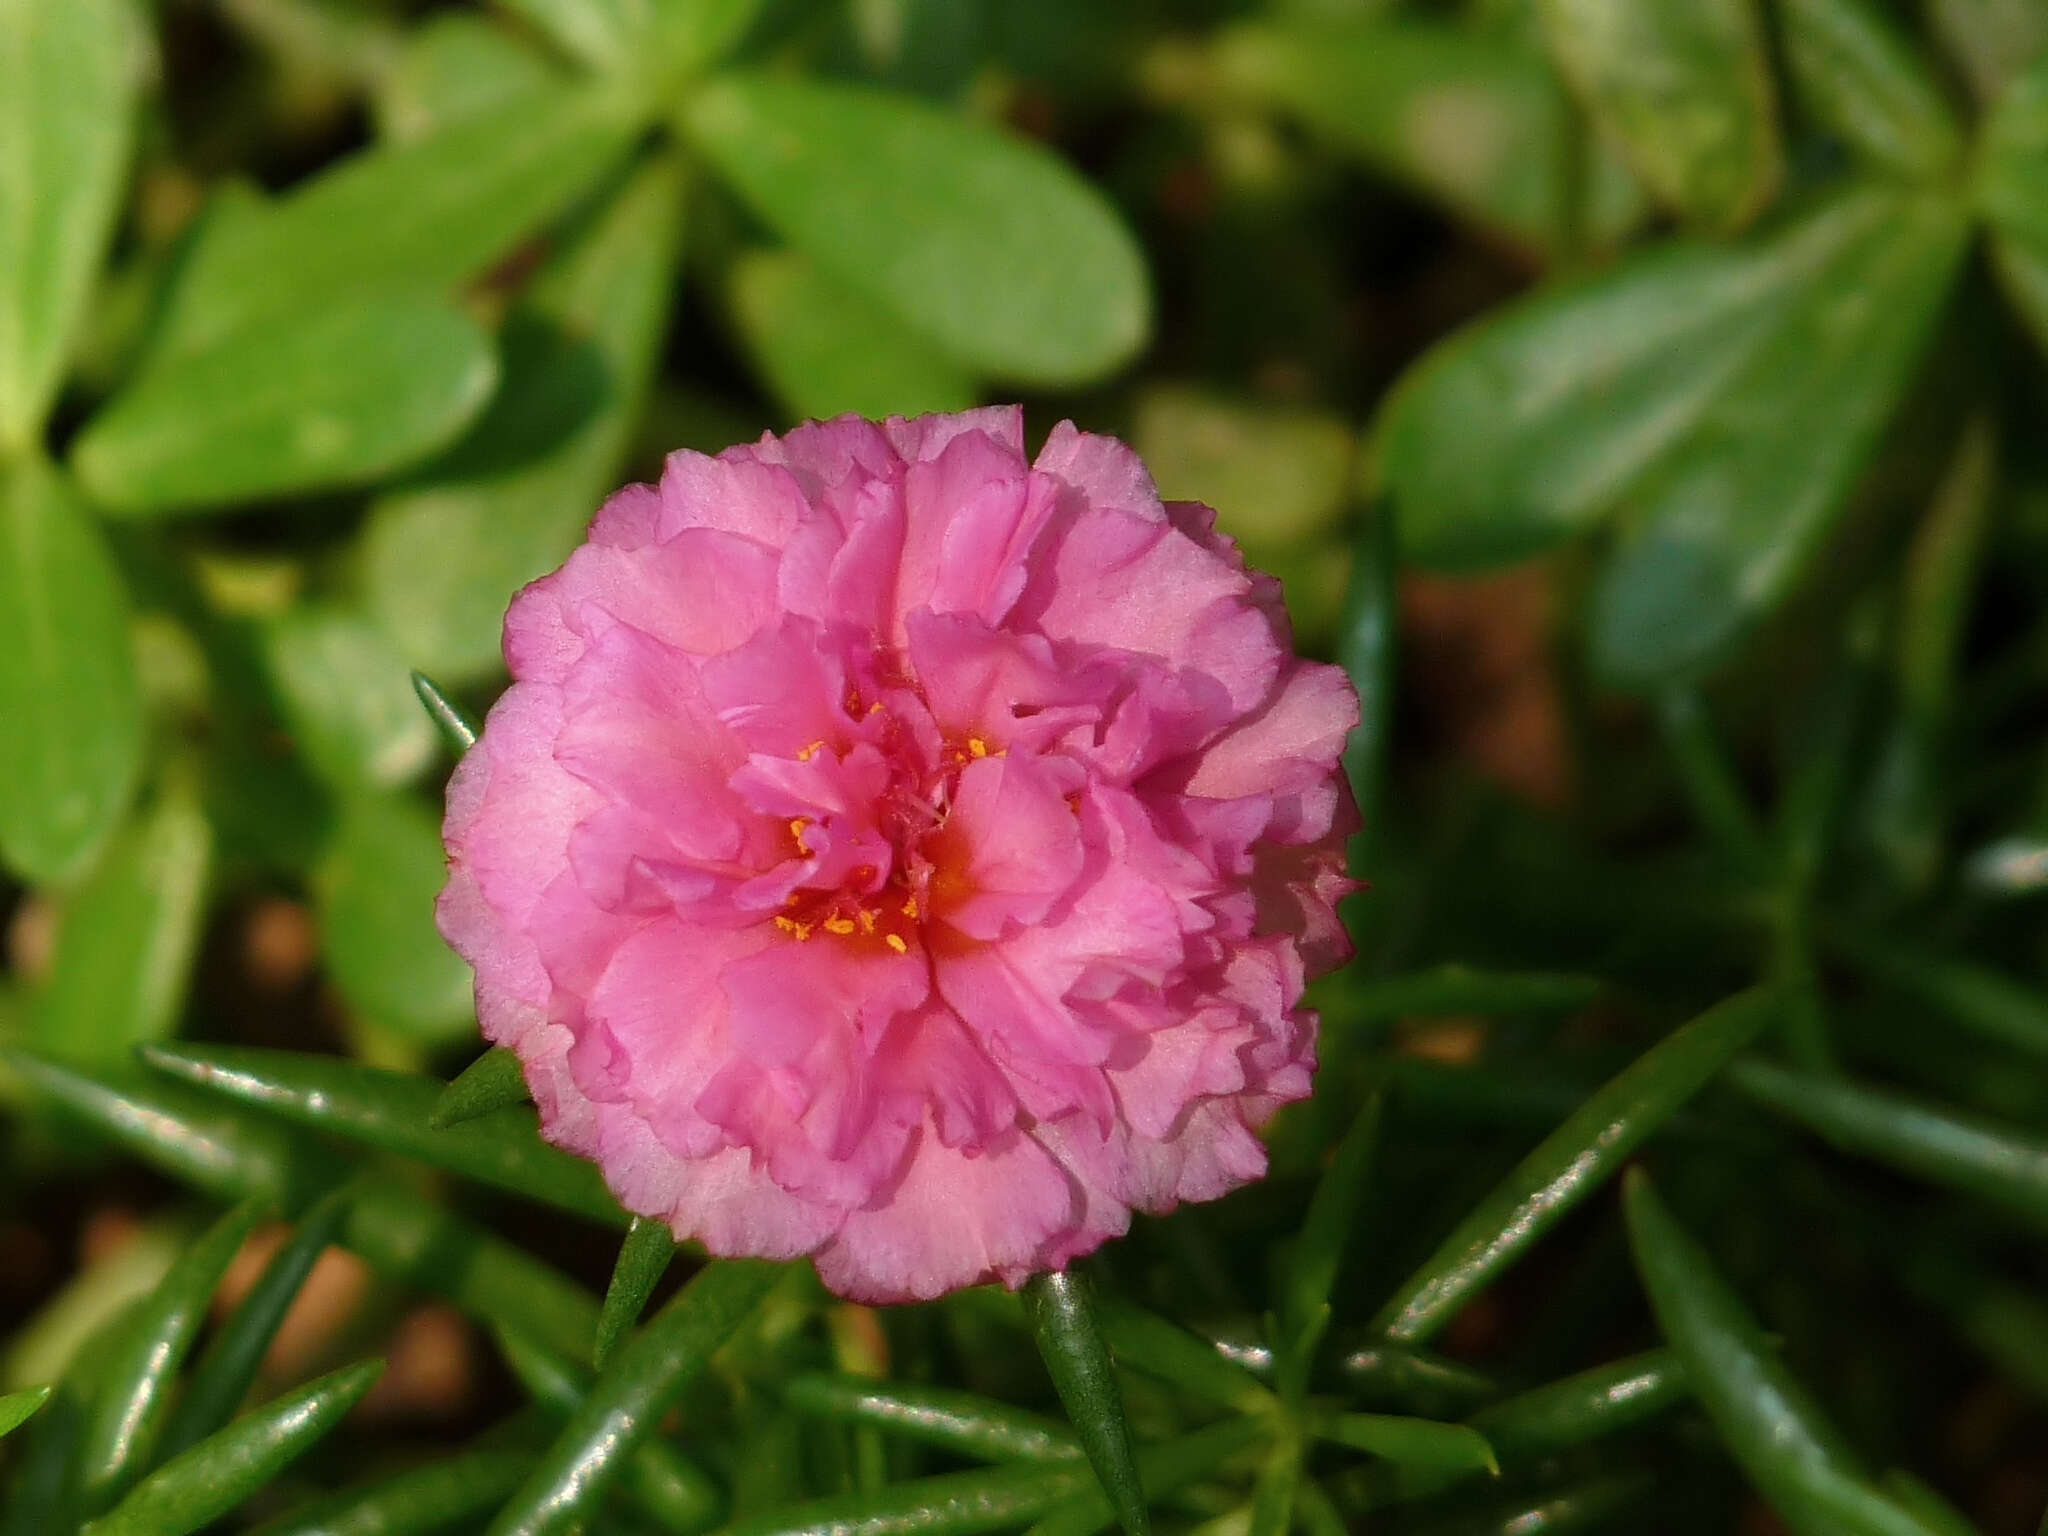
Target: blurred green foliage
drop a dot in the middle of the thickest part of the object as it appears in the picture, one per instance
(1644, 399)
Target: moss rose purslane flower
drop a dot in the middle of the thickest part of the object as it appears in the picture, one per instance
(899, 851)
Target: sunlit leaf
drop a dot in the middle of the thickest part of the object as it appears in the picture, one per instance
(347, 697)
(128, 940)
(70, 754)
(417, 219)
(1684, 86)
(342, 396)
(376, 888)
(985, 244)
(1861, 79)
(68, 70)
(826, 349)
(1475, 121)
(443, 556)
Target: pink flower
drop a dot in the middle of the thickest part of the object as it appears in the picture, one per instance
(899, 852)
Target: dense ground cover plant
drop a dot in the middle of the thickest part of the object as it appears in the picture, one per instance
(1643, 403)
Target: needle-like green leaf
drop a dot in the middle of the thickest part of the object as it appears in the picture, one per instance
(227, 1367)
(227, 1150)
(220, 1472)
(625, 1405)
(1332, 1212)
(676, 1494)
(643, 1260)
(1061, 1307)
(494, 1081)
(457, 727)
(1796, 1458)
(393, 1110)
(1066, 1496)
(961, 1422)
(1571, 1163)
(434, 1497)
(2002, 1164)
(1601, 1401)
(135, 1377)
(1148, 1342)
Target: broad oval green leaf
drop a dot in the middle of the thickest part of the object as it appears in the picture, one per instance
(999, 253)
(827, 349)
(1684, 86)
(454, 66)
(347, 696)
(1061, 1307)
(217, 1475)
(1535, 423)
(417, 218)
(1774, 1430)
(1474, 121)
(393, 1110)
(128, 939)
(444, 555)
(340, 397)
(1570, 1164)
(622, 1409)
(661, 40)
(1859, 78)
(67, 75)
(2012, 192)
(73, 743)
(1724, 528)
(376, 889)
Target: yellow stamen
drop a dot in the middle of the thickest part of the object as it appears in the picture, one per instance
(910, 907)
(976, 747)
(807, 753)
(895, 942)
(791, 925)
(839, 925)
(867, 920)
(796, 830)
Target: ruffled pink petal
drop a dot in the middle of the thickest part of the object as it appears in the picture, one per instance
(957, 1217)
